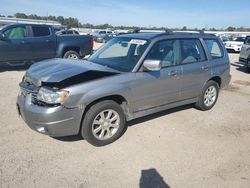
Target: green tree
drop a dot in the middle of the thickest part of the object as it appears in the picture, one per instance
(230, 28)
(20, 15)
(184, 28)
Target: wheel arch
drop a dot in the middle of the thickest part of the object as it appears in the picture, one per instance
(71, 48)
(217, 79)
(119, 99)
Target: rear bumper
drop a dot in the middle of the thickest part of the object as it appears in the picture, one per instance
(246, 61)
(53, 121)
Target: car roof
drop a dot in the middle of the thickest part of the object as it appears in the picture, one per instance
(153, 35)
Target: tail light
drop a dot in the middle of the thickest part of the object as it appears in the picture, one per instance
(92, 43)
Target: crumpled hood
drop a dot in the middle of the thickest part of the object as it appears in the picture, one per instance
(61, 70)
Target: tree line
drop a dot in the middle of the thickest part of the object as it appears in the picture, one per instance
(74, 22)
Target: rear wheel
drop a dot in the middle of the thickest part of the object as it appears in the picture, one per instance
(103, 123)
(71, 55)
(209, 96)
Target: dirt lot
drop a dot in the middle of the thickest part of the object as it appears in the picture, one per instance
(182, 147)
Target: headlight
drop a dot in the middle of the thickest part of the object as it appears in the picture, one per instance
(52, 96)
(239, 45)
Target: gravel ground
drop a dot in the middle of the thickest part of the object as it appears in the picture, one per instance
(182, 147)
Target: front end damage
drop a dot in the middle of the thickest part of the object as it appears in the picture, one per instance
(40, 101)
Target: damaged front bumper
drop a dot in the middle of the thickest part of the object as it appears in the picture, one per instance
(56, 121)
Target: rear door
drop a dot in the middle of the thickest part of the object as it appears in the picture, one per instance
(195, 68)
(15, 46)
(157, 88)
(43, 42)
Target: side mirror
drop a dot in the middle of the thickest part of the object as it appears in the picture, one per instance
(152, 65)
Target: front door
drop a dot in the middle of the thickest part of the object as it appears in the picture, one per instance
(157, 88)
(14, 47)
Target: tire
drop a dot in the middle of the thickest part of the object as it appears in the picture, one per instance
(71, 55)
(247, 66)
(97, 133)
(248, 69)
(207, 100)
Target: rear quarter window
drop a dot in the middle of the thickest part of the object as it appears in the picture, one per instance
(40, 31)
(214, 48)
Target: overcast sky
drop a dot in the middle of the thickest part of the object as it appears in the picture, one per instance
(166, 13)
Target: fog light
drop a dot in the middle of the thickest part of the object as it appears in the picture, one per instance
(41, 130)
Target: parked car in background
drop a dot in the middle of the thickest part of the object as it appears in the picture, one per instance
(20, 43)
(245, 53)
(67, 32)
(131, 76)
(235, 45)
(103, 36)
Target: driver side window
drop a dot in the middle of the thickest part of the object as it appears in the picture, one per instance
(167, 52)
(15, 33)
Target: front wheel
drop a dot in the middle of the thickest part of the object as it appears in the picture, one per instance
(209, 96)
(103, 123)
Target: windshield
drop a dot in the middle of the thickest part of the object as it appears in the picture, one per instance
(1, 27)
(120, 53)
(240, 39)
(102, 32)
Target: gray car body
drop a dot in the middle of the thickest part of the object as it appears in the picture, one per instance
(245, 53)
(139, 92)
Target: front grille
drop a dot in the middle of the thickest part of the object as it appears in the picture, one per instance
(29, 88)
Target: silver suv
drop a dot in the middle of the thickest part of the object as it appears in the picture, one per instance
(131, 76)
(245, 53)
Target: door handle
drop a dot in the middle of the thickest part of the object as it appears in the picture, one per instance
(47, 41)
(172, 73)
(22, 42)
(205, 67)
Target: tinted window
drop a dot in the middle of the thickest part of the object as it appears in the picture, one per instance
(192, 51)
(214, 48)
(102, 32)
(166, 51)
(15, 33)
(40, 31)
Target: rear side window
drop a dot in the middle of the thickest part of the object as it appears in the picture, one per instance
(40, 31)
(192, 51)
(214, 48)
